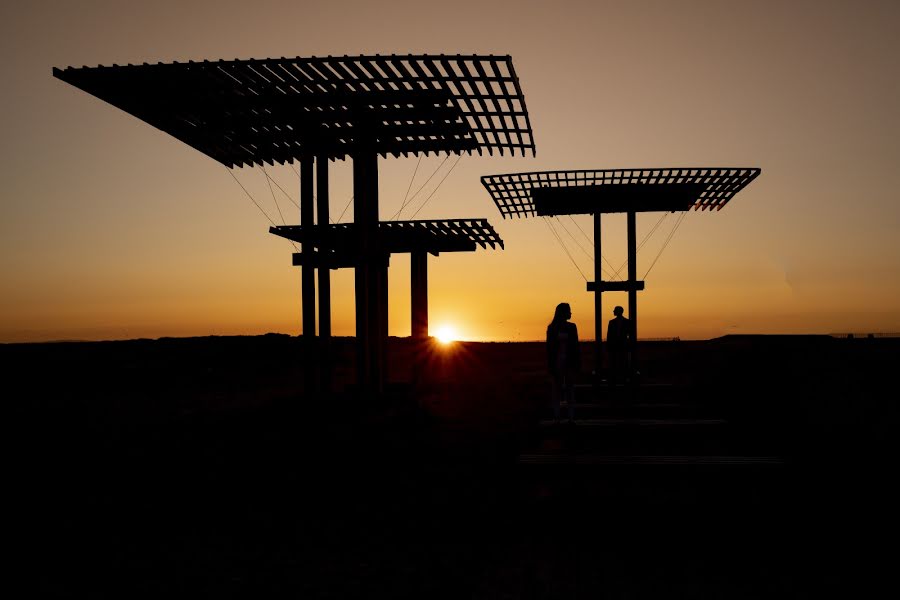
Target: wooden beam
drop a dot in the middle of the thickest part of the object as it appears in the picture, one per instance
(325, 260)
(614, 286)
(587, 199)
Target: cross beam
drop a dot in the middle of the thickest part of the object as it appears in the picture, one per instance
(614, 286)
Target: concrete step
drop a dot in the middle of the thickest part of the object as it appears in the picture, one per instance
(636, 422)
(636, 410)
(654, 436)
(658, 479)
(590, 458)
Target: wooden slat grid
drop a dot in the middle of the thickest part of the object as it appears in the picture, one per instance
(512, 192)
(246, 112)
(404, 236)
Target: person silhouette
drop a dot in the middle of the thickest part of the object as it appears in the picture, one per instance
(618, 340)
(563, 359)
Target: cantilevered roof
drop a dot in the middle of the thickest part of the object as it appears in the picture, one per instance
(341, 240)
(278, 110)
(615, 190)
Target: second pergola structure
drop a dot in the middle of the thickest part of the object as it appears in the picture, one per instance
(629, 191)
(317, 109)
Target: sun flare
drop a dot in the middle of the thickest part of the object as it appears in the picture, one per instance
(446, 334)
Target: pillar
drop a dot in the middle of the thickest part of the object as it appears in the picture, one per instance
(419, 294)
(307, 274)
(598, 300)
(632, 290)
(368, 272)
(324, 274)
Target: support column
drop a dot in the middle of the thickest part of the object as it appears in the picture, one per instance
(324, 274)
(307, 274)
(598, 301)
(419, 294)
(632, 290)
(367, 272)
(418, 287)
(381, 363)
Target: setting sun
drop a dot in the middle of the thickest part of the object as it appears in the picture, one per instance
(446, 334)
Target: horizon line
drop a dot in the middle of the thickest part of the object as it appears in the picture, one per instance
(836, 335)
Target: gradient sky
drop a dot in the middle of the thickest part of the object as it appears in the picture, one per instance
(112, 229)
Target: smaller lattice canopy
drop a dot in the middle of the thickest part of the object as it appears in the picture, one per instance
(551, 193)
(338, 244)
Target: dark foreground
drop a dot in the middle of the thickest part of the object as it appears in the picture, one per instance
(744, 467)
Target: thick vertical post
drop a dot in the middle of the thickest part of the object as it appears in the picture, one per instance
(368, 286)
(418, 287)
(307, 274)
(419, 294)
(324, 273)
(632, 290)
(598, 301)
(381, 367)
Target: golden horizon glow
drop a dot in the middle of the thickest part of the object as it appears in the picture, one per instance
(112, 229)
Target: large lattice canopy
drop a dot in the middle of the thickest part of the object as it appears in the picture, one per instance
(246, 112)
(551, 193)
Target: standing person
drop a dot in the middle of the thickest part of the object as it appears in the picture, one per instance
(618, 342)
(563, 359)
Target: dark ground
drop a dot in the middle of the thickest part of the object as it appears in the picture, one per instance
(745, 467)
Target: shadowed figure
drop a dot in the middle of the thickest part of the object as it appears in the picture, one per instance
(618, 342)
(563, 359)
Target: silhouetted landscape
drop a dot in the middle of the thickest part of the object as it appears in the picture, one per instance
(346, 170)
(744, 466)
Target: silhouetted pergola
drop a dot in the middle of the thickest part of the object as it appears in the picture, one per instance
(630, 191)
(256, 112)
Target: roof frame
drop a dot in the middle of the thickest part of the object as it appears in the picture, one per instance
(433, 236)
(616, 190)
(253, 112)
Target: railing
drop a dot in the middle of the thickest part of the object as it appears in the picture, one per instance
(865, 335)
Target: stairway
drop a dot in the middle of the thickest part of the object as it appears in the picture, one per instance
(651, 439)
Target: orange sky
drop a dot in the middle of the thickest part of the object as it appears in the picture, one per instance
(112, 229)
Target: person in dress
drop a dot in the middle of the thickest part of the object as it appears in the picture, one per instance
(563, 359)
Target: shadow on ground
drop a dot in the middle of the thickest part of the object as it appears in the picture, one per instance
(197, 466)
